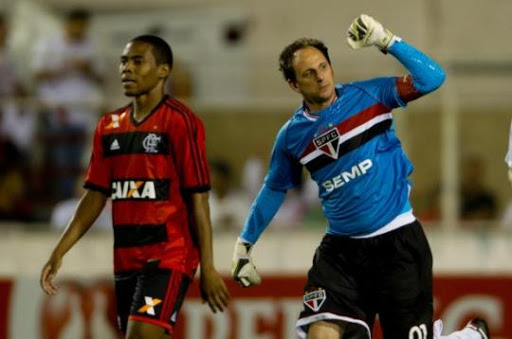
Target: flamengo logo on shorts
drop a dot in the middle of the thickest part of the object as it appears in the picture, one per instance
(149, 308)
(315, 299)
(133, 189)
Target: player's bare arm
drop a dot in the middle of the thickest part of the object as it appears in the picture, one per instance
(88, 209)
(213, 289)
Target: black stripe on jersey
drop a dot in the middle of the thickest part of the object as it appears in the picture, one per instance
(349, 145)
(197, 189)
(192, 137)
(140, 189)
(135, 143)
(139, 235)
(93, 187)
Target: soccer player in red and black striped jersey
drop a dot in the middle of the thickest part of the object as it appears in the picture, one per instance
(149, 158)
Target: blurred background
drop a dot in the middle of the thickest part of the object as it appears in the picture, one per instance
(59, 73)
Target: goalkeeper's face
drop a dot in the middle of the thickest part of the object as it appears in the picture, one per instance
(314, 78)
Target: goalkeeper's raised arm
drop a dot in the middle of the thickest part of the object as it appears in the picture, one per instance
(426, 75)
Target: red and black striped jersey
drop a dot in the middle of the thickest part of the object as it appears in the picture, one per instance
(148, 168)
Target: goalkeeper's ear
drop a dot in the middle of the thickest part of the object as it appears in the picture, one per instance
(293, 85)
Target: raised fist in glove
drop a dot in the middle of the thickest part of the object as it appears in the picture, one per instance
(242, 268)
(366, 31)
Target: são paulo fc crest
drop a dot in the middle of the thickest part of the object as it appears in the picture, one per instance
(327, 143)
(315, 299)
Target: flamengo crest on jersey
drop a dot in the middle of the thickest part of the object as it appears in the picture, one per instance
(150, 143)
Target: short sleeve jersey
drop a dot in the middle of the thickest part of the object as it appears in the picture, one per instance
(149, 168)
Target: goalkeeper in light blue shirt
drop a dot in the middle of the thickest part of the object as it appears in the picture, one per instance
(374, 258)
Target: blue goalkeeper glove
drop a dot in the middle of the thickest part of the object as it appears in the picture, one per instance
(242, 268)
(365, 31)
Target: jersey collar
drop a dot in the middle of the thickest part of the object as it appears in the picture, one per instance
(137, 123)
(314, 116)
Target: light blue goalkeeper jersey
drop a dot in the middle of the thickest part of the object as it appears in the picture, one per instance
(351, 151)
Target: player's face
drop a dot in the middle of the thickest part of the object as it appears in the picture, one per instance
(139, 72)
(314, 77)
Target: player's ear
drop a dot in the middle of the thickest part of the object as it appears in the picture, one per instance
(293, 85)
(164, 70)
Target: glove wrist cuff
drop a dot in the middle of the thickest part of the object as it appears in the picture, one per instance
(385, 44)
(243, 247)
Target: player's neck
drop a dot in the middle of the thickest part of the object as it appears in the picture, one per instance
(145, 104)
(313, 107)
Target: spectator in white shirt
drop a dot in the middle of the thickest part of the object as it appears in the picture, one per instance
(68, 84)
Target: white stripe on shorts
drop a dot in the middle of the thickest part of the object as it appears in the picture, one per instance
(327, 316)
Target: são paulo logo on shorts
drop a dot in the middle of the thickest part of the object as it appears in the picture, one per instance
(315, 299)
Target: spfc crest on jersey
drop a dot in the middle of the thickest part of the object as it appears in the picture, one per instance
(328, 143)
(315, 299)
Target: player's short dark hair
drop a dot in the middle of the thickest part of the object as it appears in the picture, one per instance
(161, 49)
(286, 57)
(78, 14)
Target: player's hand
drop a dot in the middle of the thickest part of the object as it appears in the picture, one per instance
(510, 176)
(48, 273)
(366, 31)
(213, 289)
(242, 268)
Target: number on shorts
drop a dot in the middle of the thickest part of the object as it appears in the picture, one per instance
(418, 332)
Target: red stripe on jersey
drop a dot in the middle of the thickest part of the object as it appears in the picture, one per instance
(201, 161)
(191, 123)
(193, 142)
(406, 88)
(191, 120)
(170, 295)
(353, 122)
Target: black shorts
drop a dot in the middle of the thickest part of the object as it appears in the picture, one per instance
(153, 295)
(353, 280)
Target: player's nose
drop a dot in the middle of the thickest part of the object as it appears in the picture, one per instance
(126, 68)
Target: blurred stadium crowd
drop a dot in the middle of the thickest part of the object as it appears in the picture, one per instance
(51, 98)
